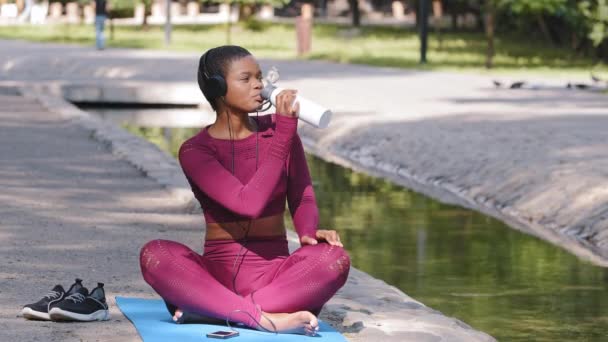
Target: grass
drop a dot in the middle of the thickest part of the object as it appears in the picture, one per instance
(378, 46)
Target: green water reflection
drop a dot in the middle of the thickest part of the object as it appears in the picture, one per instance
(464, 264)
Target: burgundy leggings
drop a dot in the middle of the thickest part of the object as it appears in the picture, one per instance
(268, 278)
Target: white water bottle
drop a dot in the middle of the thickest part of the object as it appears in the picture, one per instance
(310, 112)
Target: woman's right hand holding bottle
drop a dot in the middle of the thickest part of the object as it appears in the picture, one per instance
(284, 102)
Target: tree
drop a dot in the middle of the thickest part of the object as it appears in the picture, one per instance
(457, 8)
(490, 23)
(120, 8)
(437, 16)
(562, 14)
(356, 13)
(147, 10)
(596, 13)
(581, 25)
(536, 10)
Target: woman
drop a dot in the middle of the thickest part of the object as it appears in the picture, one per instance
(242, 169)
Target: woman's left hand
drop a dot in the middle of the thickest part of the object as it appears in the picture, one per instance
(331, 236)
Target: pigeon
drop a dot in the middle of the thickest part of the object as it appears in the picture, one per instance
(517, 85)
(577, 86)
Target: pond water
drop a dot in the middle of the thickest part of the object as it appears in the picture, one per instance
(467, 265)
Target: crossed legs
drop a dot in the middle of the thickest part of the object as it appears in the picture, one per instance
(302, 283)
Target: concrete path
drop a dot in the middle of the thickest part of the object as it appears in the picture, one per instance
(533, 158)
(81, 196)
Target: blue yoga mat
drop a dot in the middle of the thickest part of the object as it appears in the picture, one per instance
(153, 323)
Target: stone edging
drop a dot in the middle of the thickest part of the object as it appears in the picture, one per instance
(365, 308)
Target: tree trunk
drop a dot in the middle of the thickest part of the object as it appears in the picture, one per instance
(544, 28)
(437, 16)
(423, 11)
(489, 26)
(354, 8)
(602, 51)
(147, 9)
(479, 22)
(416, 5)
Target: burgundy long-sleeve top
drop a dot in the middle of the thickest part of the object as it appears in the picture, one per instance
(282, 173)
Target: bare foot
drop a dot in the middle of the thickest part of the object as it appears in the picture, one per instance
(301, 322)
(177, 315)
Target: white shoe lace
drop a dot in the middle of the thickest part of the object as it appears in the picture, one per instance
(76, 297)
(52, 295)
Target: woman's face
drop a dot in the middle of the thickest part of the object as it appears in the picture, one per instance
(244, 80)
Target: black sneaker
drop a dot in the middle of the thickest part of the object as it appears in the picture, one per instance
(82, 306)
(40, 309)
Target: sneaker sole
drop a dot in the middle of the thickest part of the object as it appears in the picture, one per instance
(56, 314)
(35, 315)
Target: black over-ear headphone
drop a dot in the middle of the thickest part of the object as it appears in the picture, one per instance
(215, 85)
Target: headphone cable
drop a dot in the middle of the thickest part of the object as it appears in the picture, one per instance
(235, 271)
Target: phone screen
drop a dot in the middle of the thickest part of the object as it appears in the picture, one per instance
(222, 334)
